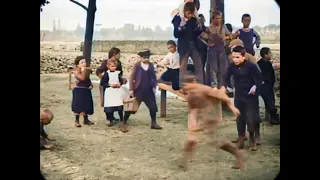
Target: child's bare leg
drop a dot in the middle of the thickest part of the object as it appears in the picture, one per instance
(192, 119)
(189, 148)
(240, 159)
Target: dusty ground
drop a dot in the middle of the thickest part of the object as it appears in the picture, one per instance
(99, 152)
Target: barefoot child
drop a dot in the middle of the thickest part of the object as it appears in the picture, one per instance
(172, 61)
(113, 100)
(247, 82)
(45, 118)
(82, 102)
(247, 34)
(201, 100)
(216, 59)
(143, 84)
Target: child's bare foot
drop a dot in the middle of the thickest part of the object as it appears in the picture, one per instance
(240, 163)
(123, 127)
(252, 145)
(48, 146)
(77, 124)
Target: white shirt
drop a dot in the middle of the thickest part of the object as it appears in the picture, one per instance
(173, 60)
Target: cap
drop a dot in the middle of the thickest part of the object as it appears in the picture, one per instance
(236, 42)
(145, 53)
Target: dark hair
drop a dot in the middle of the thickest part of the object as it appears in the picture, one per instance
(78, 59)
(214, 15)
(113, 51)
(171, 42)
(201, 15)
(229, 27)
(228, 51)
(189, 6)
(239, 49)
(245, 15)
(264, 51)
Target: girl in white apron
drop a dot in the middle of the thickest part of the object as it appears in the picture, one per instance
(113, 92)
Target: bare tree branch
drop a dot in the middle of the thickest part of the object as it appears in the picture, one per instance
(81, 5)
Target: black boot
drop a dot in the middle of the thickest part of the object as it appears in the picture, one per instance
(86, 121)
(154, 124)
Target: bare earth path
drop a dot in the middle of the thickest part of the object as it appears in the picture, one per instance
(99, 152)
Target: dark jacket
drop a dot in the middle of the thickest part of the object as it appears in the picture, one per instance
(267, 70)
(136, 74)
(104, 68)
(245, 75)
(105, 80)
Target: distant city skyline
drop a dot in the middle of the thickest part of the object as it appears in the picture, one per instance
(150, 13)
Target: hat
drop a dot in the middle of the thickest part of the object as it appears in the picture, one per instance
(145, 53)
(236, 42)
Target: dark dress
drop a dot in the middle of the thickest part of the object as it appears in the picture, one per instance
(245, 76)
(82, 101)
(247, 39)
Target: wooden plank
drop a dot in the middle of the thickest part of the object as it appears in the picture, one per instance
(163, 103)
(166, 87)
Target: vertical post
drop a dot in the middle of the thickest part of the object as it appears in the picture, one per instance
(217, 5)
(89, 31)
(163, 103)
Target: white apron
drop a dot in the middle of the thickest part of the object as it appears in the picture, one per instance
(113, 96)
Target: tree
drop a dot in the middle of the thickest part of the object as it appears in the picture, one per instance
(43, 3)
(91, 11)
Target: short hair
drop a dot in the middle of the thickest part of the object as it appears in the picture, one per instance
(78, 59)
(228, 51)
(229, 27)
(113, 51)
(189, 6)
(47, 111)
(239, 49)
(171, 42)
(215, 14)
(111, 61)
(244, 16)
(264, 51)
(202, 16)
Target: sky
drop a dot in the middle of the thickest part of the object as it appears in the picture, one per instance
(150, 13)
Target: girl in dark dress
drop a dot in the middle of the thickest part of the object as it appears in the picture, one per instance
(82, 102)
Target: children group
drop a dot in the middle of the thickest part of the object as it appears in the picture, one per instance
(218, 56)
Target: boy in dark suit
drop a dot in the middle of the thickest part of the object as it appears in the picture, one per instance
(267, 92)
(143, 84)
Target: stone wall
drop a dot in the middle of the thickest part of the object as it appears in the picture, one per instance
(59, 61)
(156, 47)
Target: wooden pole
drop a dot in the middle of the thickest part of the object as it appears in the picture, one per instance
(163, 104)
(217, 5)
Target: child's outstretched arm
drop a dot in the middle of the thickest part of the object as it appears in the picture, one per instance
(100, 70)
(105, 81)
(258, 38)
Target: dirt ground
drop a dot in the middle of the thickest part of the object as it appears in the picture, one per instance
(99, 152)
